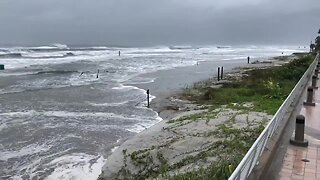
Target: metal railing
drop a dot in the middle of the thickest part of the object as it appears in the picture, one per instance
(252, 157)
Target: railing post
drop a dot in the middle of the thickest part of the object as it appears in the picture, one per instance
(252, 164)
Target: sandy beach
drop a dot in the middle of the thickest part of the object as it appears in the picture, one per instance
(187, 131)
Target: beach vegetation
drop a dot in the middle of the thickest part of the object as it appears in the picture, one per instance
(231, 145)
(281, 58)
(266, 88)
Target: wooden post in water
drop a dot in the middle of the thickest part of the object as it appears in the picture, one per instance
(98, 74)
(148, 101)
(218, 73)
(221, 72)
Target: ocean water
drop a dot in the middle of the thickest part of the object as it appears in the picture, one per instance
(59, 121)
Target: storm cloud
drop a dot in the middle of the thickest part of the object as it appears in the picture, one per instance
(162, 22)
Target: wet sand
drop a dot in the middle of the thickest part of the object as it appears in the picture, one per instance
(170, 83)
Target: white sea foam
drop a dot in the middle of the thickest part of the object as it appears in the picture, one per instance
(69, 114)
(76, 166)
(4, 73)
(31, 149)
(108, 104)
(123, 87)
(143, 125)
(137, 128)
(45, 55)
(20, 113)
(43, 58)
(114, 148)
(53, 46)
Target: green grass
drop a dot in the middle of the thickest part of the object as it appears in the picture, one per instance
(265, 88)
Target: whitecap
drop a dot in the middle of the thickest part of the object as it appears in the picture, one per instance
(30, 149)
(79, 166)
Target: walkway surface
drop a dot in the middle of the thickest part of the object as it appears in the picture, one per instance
(304, 162)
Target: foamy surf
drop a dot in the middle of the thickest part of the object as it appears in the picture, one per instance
(66, 114)
(76, 166)
(139, 127)
(31, 149)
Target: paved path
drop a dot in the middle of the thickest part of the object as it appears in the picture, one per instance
(299, 162)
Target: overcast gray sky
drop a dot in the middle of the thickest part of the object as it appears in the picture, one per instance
(158, 22)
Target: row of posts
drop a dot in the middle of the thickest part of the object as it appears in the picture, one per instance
(220, 77)
(220, 69)
(298, 138)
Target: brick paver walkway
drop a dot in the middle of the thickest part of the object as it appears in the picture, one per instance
(301, 163)
(304, 162)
